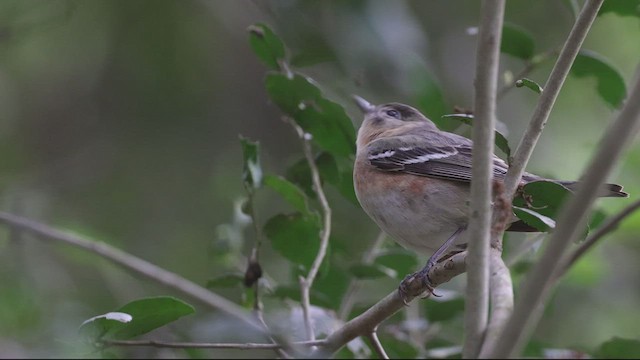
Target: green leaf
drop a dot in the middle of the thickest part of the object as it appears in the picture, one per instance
(294, 236)
(517, 42)
(325, 120)
(528, 83)
(146, 315)
(293, 292)
(289, 191)
(251, 172)
(611, 86)
(544, 197)
(225, 281)
(314, 50)
(444, 310)
(364, 271)
(500, 141)
(621, 7)
(429, 99)
(267, 45)
(400, 260)
(538, 221)
(336, 172)
(619, 348)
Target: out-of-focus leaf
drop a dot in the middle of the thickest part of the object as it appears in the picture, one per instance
(251, 172)
(429, 99)
(538, 221)
(225, 281)
(398, 349)
(500, 141)
(146, 315)
(400, 260)
(337, 172)
(621, 7)
(528, 83)
(611, 86)
(444, 310)
(517, 42)
(619, 348)
(333, 283)
(267, 45)
(293, 292)
(364, 271)
(294, 236)
(314, 51)
(544, 197)
(289, 191)
(325, 120)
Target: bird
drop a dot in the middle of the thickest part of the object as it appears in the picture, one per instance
(413, 180)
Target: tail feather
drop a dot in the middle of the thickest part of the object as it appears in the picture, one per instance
(607, 190)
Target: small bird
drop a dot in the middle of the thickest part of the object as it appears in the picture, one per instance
(413, 180)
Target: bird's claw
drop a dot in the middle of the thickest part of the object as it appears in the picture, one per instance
(425, 282)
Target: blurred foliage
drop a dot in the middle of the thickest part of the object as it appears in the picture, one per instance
(120, 120)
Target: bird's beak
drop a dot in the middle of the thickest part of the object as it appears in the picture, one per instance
(365, 106)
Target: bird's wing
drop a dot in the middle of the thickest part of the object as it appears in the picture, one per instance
(446, 161)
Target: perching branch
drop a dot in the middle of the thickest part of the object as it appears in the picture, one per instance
(135, 264)
(368, 321)
(486, 82)
(377, 345)
(306, 283)
(548, 97)
(571, 221)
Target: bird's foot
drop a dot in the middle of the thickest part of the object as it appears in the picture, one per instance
(417, 284)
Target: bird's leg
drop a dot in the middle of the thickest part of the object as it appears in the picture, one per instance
(423, 274)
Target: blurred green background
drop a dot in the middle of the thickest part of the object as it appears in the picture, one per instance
(120, 119)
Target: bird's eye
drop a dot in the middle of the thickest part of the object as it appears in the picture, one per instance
(394, 113)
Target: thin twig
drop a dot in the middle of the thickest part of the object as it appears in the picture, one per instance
(487, 63)
(377, 345)
(194, 345)
(548, 97)
(530, 65)
(536, 288)
(348, 300)
(610, 225)
(307, 283)
(366, 322)
(135, 264)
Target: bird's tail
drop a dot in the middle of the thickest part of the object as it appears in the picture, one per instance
(607, 190)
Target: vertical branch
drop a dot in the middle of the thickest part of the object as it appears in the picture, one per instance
(487, 62)
(571, 221)
(306, 283)
(548, 97)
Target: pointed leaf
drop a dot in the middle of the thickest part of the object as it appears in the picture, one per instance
(544, 197)
(528, 83)
(517, 42)
(538, 221)
(325, 120)
(289, 191)
(611, 86)
(251, 172)
(500, 141)
(621, 7)
(267, 45)
(145, 315)
(294, 236)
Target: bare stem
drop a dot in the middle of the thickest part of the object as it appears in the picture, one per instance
(487, 62)
(610, 225)
(549, 95)
(501, 302)
(377, 345)
(194, 345)
(135, 264)
(307, 283)
(572, 219)
(348, 300)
